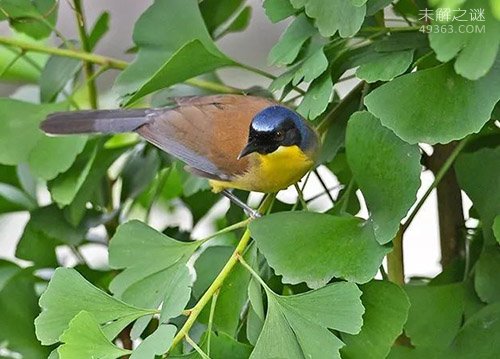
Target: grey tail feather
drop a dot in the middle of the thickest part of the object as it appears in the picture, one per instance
(92, 121)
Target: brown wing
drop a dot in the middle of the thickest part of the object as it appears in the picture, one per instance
(207, 133)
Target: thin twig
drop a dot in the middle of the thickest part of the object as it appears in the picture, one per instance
(88, 65)
(323, 184)
(300, 195)
(439, 176)
(104, 61)
(219, 280)
(196, 347)
(211, 320)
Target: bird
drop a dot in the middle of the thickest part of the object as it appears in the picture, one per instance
(235, 141)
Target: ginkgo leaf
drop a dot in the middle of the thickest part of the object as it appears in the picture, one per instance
(155, 270)
(85, 339)
(329, 246)
(297, 326)
(67, 294)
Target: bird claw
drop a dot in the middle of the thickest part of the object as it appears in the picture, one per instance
(253, 214)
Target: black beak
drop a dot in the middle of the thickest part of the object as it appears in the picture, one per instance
(249, 148)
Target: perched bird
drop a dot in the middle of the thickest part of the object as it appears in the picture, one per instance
(235, 141)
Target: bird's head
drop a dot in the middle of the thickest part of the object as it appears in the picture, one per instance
(277, 126)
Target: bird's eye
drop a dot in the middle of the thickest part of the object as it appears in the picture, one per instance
(280, 135)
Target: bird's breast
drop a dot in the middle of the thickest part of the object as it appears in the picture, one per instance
(270, 172)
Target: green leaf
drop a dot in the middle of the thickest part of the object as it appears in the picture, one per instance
(312, 67)
(386, 309)
(317, 97)
(18, 309)
(385, 66)
(53, 155)
(288, 47)
(435, 105)
(67, 294)
(22, 71)
(443, 306)
(475, 49)
(487, 274)
(56, 73)
(332, 16)
(495, 9)
(478, 338)
(158, 275)
(386, 169)
(277, 10)
(297, 326)
(20, 125)
(372, 6)
(155, 344)
(77, 186)
(217, 12)
(240, 22)
(46, 229)
(12, 199)
(37, 247)
(35, 18)
(47, 156)
(85, 339)
(139, 171)
(166, 60)
(65, 187)
(99, 29)
(233, 293)
(496, 228)
(176, 68)
(485, 161)
(208, 265)
(329, 246)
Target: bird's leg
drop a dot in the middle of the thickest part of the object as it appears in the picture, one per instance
(248, 210)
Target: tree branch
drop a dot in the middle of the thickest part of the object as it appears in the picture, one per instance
(450, 209)
(219, 280)
(88, 66)
(438, 177)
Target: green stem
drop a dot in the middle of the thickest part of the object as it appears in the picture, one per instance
(196, 347)
(256, 71)
(75, 54)
(300, 195)
(211, 320)
(213, 86)
(216, 284)
(227, 229)
(395, 263)
(219, 280)
(253, 273)
(88, 66)
(390, 29)
(11, 63)
(106, 61)
(345, 197)
(439, 176)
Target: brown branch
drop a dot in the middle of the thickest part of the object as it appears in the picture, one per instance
(450, 209)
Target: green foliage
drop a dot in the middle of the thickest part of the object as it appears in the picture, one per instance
(294, 283)
(345, 244)
(297, 326)
(386, 308)
(84, 338)
(386, 169)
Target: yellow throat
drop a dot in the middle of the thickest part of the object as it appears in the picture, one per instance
(270, 172)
